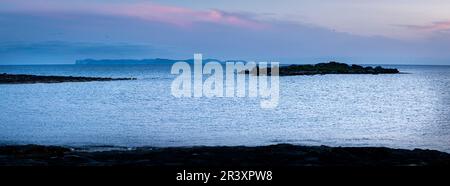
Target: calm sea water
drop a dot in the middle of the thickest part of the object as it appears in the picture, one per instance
(401, 111)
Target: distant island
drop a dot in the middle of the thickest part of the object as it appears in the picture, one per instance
(142, 61)
(331, 67)
(23, 79)
(323, 68)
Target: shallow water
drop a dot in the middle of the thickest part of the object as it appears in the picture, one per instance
(397, 110)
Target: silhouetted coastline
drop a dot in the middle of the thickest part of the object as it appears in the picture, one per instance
(281, 155)
(25, 78)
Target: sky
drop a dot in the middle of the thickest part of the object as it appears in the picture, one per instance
(288, 31)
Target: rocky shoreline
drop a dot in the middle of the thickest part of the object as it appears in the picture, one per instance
(281, 155)
(28, 79)
(322, 69)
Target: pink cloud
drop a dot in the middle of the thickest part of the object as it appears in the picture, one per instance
(149, 11)
(178, 15)
(435, 26)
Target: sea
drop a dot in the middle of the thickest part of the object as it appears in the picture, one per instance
(408, 110)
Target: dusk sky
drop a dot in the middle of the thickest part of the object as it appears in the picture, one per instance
(289, 31)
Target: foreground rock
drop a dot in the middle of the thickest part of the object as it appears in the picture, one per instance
(22, 78)
(323, 68)
(282, 155)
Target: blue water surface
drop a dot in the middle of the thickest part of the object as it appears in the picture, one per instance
(396, 110)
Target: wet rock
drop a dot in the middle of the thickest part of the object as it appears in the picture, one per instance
(23, 78)
(282, 155)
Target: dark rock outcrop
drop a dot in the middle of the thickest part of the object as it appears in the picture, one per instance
(23, 78)
(282, 155)
(323, 68)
